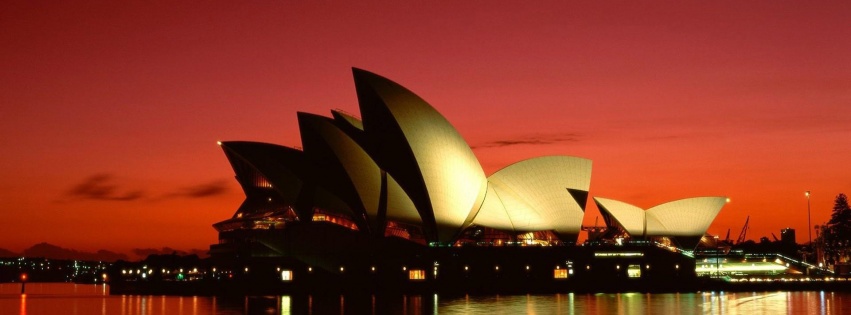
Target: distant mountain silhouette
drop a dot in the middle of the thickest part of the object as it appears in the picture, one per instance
(55, 252)
(47, 250)
(8, 254)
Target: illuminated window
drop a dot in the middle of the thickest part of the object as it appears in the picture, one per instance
(560, 273)
(633, 271)
(320, 215)
(262, 182)
(416, 274)
(286, 275)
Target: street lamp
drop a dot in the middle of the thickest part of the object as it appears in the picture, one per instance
(23, 283)
(809, 225)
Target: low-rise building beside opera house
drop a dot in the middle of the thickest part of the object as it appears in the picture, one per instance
(397, 199)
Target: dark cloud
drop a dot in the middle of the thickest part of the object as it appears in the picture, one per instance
(530, 140)
(51, 251)
(103, 187)
(205, 190)
(210, 189)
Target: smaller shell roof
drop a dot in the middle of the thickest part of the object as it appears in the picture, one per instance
(630, 217)
(684, 217)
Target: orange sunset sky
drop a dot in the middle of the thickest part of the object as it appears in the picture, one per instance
(110, 111)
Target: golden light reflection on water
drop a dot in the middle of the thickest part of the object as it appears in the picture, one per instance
(82, 299)
(285, 305)
(760, 302)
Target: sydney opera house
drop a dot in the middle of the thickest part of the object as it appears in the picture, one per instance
(397, 195)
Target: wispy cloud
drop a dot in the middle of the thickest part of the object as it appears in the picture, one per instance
(210, 189)
(106, 187)
(530, 140)
(103, 187)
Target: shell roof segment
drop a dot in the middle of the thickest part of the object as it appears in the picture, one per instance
(683, 217)
(424, 153)
(533, 194)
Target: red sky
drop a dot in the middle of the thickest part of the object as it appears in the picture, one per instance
(110, 111)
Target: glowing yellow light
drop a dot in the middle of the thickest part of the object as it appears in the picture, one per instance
(416, 274)
(286, 275)
(219, 142)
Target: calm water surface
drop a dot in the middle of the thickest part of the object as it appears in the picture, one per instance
(67, 298)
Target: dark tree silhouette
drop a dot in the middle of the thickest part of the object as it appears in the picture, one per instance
(837, 233)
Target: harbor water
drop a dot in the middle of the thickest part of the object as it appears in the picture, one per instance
(69, 298)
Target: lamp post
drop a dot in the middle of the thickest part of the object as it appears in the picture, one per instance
(809, 225)
(23, 283)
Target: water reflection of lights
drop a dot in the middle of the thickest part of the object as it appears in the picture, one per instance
(24, 304)
(812, 302)
(286, 305)
(754, 302)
